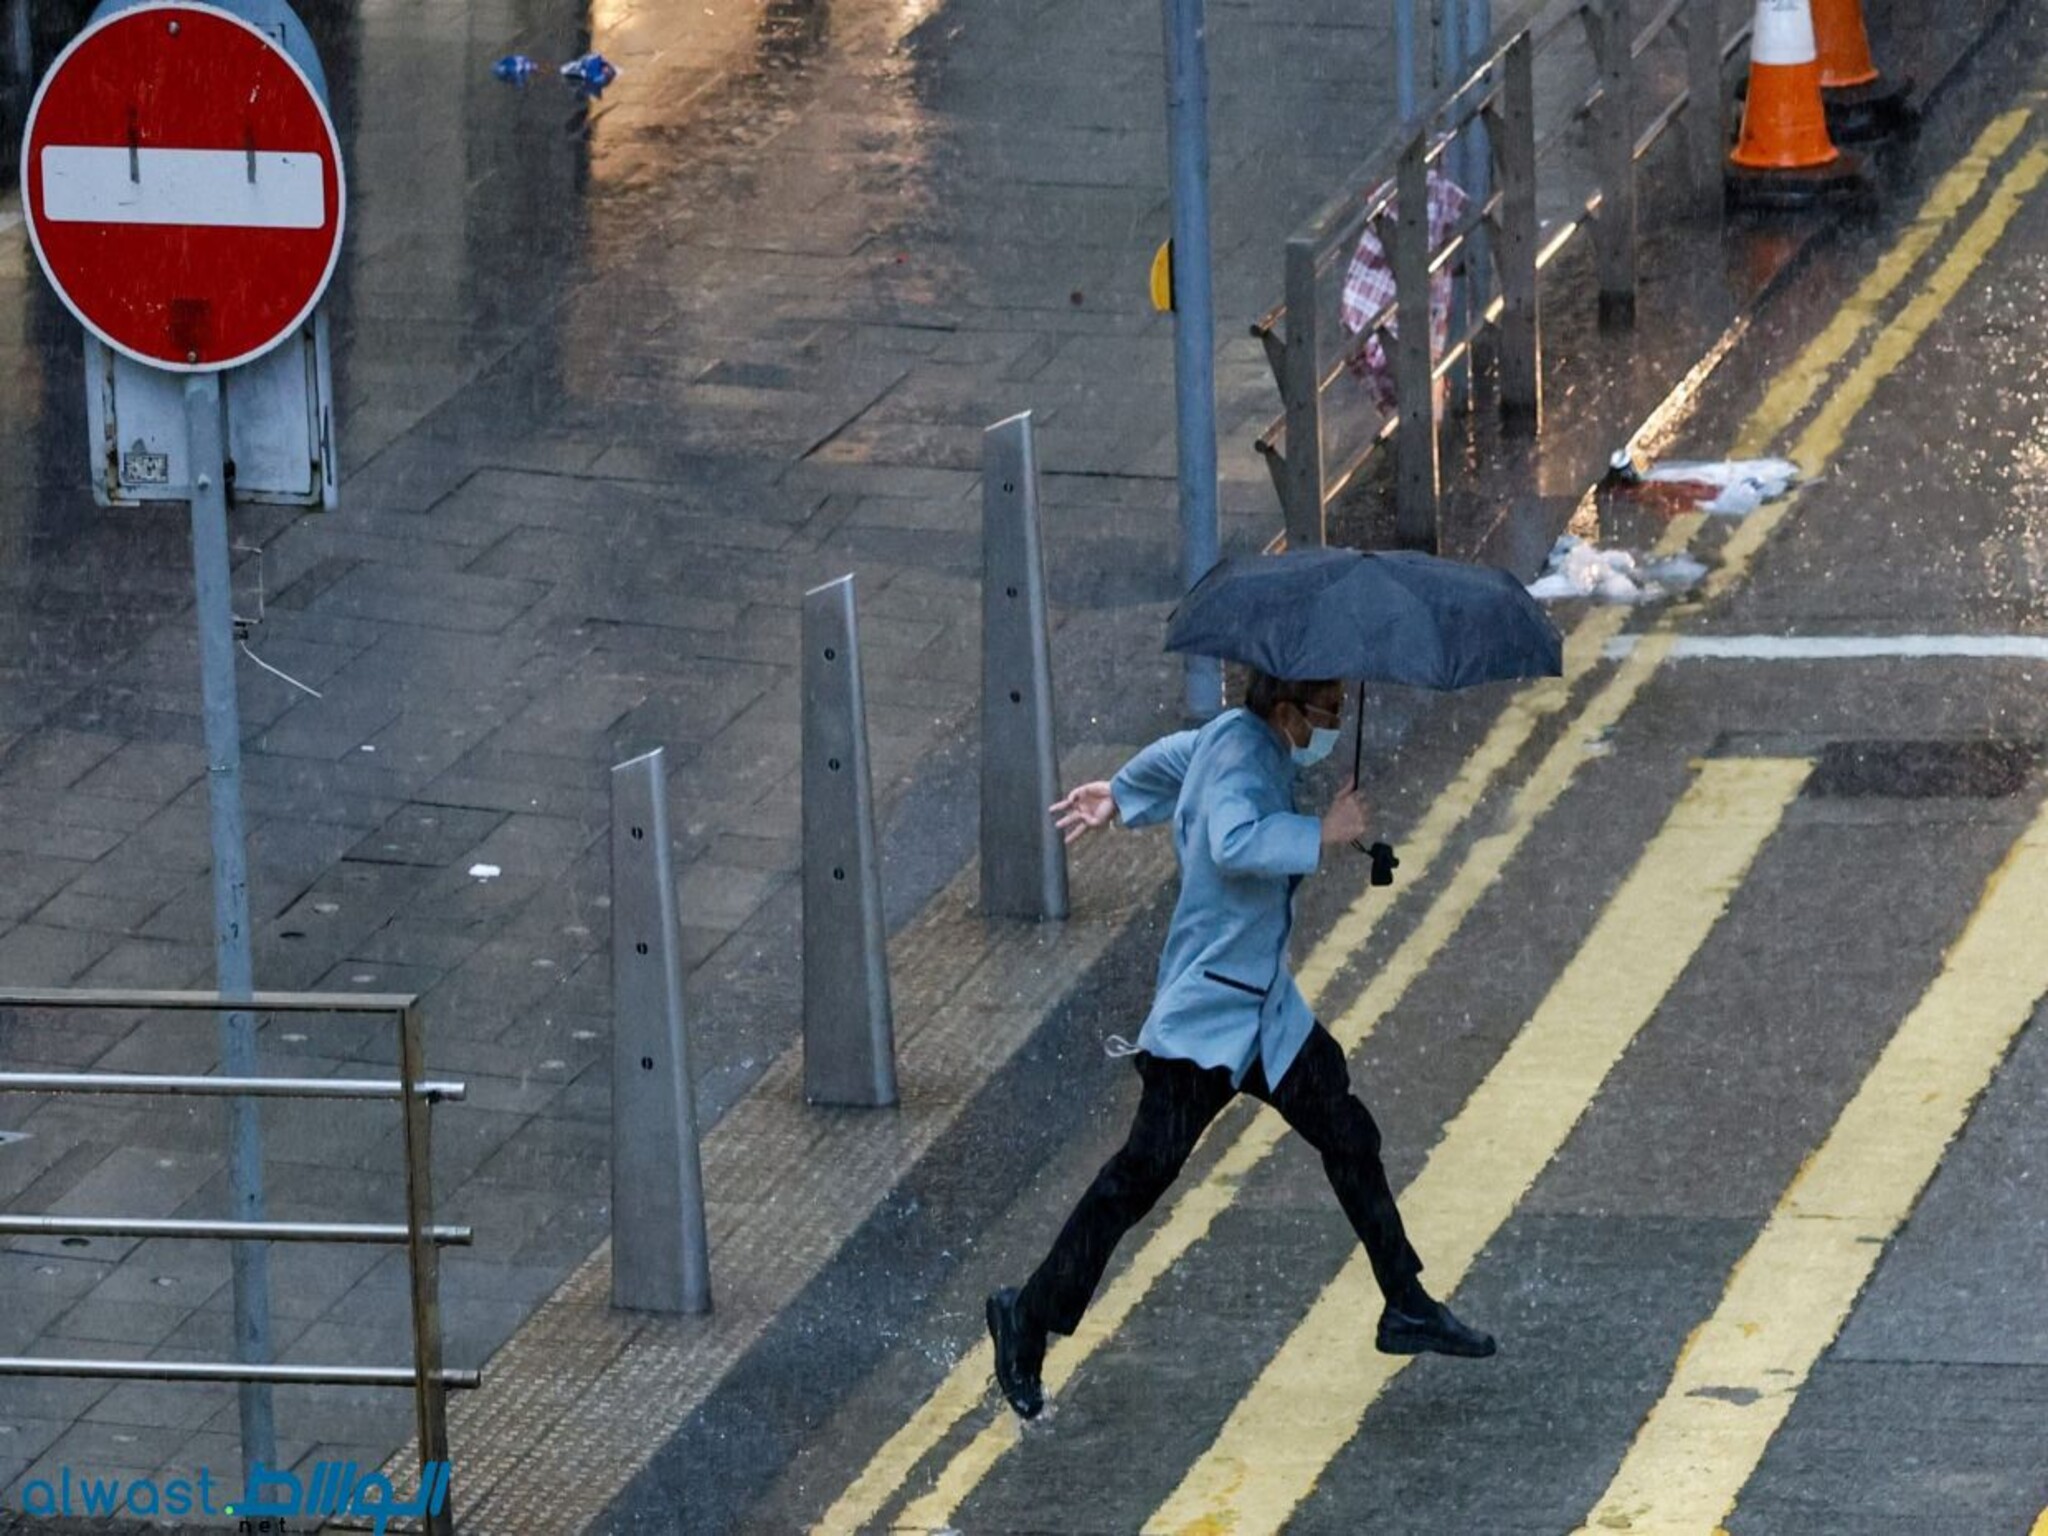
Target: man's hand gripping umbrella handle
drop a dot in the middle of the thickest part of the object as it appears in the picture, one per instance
(1383, 861)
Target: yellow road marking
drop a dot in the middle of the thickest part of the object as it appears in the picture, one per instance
(1305, 1406)
(1511, 732)
(2040, 1524)
(1787, 1298)
(1198, 1207)
(1823, 437)
(1793, 390)
(964, 1388)
(1265, 1468)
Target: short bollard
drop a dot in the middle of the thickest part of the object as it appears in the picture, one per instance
(849, 1031)
(1023, 857)
(661, 1254)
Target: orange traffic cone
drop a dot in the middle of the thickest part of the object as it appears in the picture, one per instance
(1860, 103)
(1784, 157)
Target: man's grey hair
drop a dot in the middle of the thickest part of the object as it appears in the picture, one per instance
(1264, 693)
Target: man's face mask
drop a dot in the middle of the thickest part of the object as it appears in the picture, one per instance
(1322, 740)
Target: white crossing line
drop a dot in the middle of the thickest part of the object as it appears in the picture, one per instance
(207, 188)
(1846, 647)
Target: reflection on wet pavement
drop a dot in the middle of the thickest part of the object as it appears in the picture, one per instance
(620, 375)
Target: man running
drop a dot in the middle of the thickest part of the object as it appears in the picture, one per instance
(1227, 1018)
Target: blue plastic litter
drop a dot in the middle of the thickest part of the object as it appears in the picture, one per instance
(515, 68)
(593, 72)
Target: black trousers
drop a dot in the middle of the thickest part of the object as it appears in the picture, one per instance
(1180, 1099)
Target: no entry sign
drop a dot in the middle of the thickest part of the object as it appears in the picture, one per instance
(182, 186)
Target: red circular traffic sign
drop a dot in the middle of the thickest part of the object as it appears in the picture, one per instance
(182, 185)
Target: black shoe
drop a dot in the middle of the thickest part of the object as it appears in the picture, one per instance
(1430, 1327)
(1019, 1354)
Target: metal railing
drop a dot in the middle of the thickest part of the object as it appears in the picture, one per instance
(423, 1238)
(1501, 238)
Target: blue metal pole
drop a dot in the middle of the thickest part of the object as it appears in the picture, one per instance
(1450, 39)
(1194, 321)
(1404, 58)
(215, 603)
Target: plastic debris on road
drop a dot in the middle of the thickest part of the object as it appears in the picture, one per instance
(515, 68)
(593, 72)
(1577, 568)
(1727, 487)
(485, 871)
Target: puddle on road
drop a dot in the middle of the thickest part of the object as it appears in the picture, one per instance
(1923, 770)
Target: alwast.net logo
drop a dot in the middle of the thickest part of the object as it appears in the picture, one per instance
(271, 1499)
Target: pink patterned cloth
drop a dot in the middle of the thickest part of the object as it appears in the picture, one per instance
(1369, 287)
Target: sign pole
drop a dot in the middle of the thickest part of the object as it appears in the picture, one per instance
(183, 189)
(215, 604)
(1194, 322)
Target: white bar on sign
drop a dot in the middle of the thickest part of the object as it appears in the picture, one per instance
(212, 188)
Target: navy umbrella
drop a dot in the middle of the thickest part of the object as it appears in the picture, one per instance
(1392, 616)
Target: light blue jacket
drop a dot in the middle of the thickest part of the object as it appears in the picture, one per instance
(1224, 992)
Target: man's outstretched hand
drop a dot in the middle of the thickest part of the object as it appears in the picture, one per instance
(1085, 808)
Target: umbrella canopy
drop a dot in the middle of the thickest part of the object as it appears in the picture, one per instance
(1392, 616)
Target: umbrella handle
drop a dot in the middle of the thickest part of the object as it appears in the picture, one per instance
(1384, 861)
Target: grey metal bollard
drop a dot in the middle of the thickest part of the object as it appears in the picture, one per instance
(1023, 856)
(849, 1031)
(661, 1254)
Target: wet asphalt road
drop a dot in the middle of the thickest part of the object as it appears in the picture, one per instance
(617, 381)
(1884, 835)
(492, 360)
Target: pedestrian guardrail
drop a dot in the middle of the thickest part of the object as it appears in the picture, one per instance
(1322, 442)
(429, 1380)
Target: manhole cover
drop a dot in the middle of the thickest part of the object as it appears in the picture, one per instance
(1923, 770)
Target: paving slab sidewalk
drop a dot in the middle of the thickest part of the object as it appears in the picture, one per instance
(609, 406)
